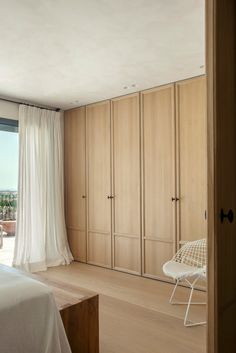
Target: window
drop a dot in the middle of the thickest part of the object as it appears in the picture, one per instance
(8, 187)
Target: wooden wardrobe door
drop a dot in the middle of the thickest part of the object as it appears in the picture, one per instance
(192, 158)
(159, 226)
(75, 189)
(126, 183)
(99, 183)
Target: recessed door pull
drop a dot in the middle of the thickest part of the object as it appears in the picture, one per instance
(83, 196)
(229, 215)
(110, 197)
(174, 199)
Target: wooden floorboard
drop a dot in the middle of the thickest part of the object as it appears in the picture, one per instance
(130, 328)
(135, 316)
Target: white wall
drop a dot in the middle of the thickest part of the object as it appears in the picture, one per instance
(9, 110)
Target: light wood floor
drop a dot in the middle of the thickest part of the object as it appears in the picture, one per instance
(135, 316)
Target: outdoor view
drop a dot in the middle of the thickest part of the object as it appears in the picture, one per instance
(8, 193)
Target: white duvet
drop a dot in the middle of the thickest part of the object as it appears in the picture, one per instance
(29, 319)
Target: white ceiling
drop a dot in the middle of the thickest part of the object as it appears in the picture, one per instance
(65, 53)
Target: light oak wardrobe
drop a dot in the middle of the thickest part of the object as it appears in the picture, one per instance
(135, 177)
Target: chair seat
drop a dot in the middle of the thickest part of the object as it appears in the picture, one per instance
(178, 270)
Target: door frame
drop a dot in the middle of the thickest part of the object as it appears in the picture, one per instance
(220, 55)
(211, 175)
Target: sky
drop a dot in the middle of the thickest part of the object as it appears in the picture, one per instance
(8, 160)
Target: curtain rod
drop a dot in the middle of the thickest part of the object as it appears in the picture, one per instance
(29, 105)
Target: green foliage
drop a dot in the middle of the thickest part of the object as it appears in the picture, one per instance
(8, 205)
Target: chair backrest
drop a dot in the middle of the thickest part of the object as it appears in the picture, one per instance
(193, 253)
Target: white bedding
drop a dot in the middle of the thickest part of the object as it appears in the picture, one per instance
(29, 319)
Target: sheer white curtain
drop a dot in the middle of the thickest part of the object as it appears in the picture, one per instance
(41, 239)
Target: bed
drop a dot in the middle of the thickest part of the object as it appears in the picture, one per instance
(29, 319)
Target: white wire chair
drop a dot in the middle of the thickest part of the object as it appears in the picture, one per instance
(189, 266)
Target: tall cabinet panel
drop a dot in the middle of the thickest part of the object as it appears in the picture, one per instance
(75, 182)
(98, 127)
(192, 163)
(126, 183)
(158, 120)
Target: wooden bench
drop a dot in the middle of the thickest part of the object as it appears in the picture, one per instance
(79, 312)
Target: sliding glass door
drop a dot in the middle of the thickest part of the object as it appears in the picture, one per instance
(8, 187)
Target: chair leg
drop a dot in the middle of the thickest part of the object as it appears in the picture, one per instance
(173, 302)
(173, 293)
(188, 323)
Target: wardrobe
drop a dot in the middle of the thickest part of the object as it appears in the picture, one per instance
(135, 177)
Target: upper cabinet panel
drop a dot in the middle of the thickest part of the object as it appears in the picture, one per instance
(99, 166)
(192, 158)
(159, 162)
(75, 178)
(126, 165)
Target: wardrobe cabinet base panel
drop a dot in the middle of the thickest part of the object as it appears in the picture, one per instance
(156, 253)
(127, 254)
(99, 249)
(77, 243)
